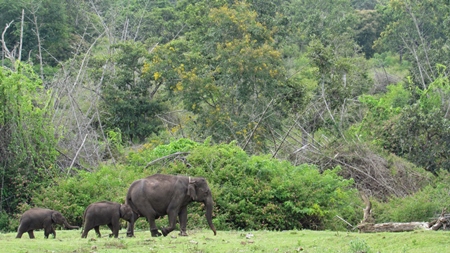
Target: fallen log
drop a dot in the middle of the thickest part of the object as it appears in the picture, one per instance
(442, 221)
(368, 224)
(391, 227)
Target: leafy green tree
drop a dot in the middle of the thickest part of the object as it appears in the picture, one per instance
(129, 94)
(328, 61)
(417, 31)
(11, 12)
(159, 24)
(230, 75)
(45, 25)
(422, 131)
(27, 153)
(364, 4)
(368, 30)
(329, 22)
(416, 130)
(342, 77)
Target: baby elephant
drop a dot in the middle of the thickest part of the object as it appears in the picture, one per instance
(40, 218)
(106, 213)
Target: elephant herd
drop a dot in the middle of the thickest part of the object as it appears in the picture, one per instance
(151, 197)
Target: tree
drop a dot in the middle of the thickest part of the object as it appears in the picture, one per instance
(129, 92)
(368, 31)
(364, 4)
(230, 75)
(421, 133)
(327, 37)
(416, 30)
(417, 130)
(27, 153)
(43, 34)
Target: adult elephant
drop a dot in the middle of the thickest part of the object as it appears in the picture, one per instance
(158, 195)
(106, 213)
(41, 218)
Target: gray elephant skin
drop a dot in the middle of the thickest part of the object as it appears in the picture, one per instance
(157, 195)
(41, 218)
(106, 213)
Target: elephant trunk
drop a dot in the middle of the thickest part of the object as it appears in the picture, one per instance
(209, 210)
(68, 226)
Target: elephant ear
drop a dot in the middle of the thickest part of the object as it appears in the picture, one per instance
(191, 190)
(125, 212)
(57, 218)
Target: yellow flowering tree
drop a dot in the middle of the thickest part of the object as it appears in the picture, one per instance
(226, 70)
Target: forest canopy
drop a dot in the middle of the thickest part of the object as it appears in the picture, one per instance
(352, 94)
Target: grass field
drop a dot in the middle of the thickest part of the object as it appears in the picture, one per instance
(233, 241)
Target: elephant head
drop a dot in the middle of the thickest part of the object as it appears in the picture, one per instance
(58, 218)
(126, 212)
(199, 191)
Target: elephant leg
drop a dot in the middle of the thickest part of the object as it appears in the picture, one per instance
(52, 231)
(115, 227)
(97, 231)
(31, 234)
(46, 233)
(130, 229)
(86, 230)
(172, 223)
(153, 229)
(49, 230)
(111, 227)
(19, 234)
(85, 233)
(182, 216)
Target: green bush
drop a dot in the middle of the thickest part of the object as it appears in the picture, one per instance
(72, 195)
(424, 205)
(4, 222)
(258, 192)
(250, 192)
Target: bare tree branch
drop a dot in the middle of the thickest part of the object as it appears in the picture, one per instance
(257, 124)
(21, 35)
(76, 155)
(166, 157)
(8, 54)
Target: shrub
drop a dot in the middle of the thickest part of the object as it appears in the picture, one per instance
(422, 206)
(251, 192)
(258, 192)
(72, 195)
(4, 222)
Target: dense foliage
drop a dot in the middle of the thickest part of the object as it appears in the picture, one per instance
(27, 149)
(250, 192)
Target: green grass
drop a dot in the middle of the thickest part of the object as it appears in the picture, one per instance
(201, 241)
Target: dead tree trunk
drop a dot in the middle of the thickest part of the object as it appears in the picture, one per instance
(442, 221)
(391, 227)
(368, 224)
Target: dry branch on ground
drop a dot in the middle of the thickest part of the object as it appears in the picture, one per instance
(368, 224)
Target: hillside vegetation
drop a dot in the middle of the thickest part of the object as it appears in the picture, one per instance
(290, 109)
